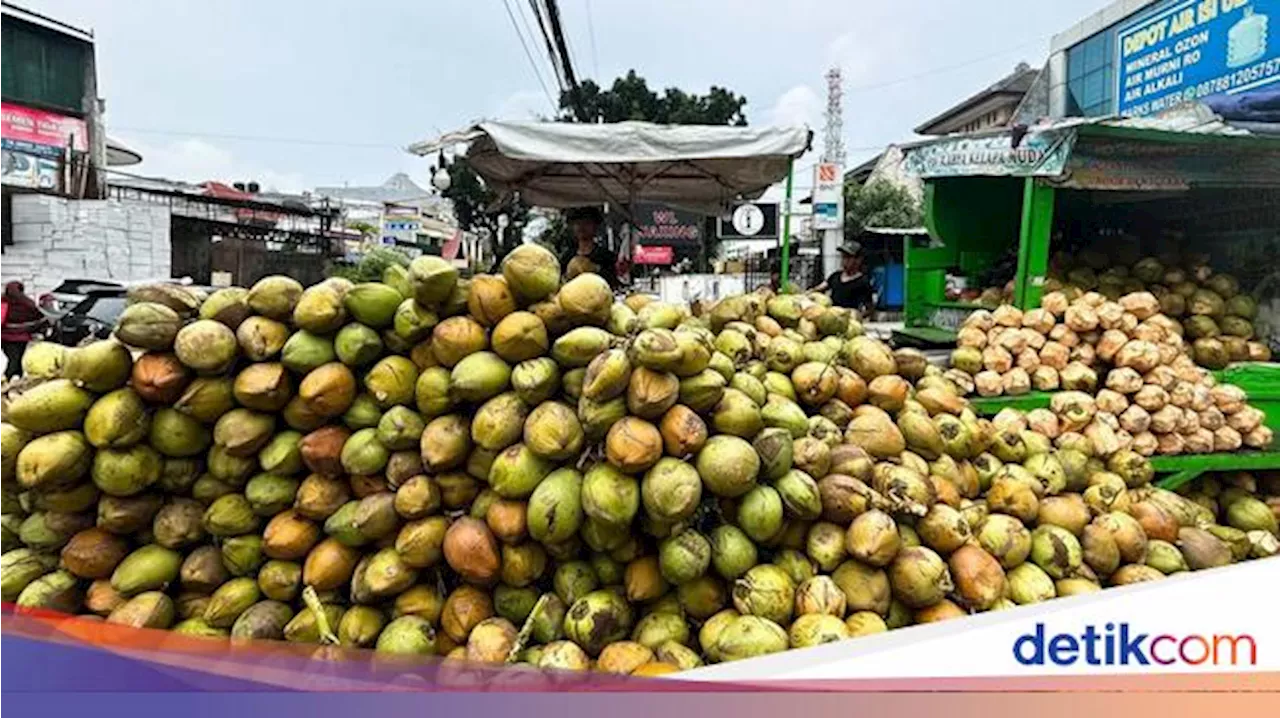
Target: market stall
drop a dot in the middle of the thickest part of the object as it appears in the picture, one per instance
(700, 168)
(999, 204)
(1112, 206)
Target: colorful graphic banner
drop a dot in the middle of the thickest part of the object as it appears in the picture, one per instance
(1191, 49)
(21, 169)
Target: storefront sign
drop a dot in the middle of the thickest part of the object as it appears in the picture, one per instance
(401, 227)
(660, 224)
(828, 196)
(749, 220)
(30, 171)
(41, 133)
(1039, 154)
(663, 255)
(1191, 49)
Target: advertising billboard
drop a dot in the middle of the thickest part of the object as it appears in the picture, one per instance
(36, 132)
(828, 196)
(1190, 49)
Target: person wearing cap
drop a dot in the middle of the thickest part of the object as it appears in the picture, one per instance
(851, 286)
(588, 253)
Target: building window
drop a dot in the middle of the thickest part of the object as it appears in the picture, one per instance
(43, 68)
(1090, 76)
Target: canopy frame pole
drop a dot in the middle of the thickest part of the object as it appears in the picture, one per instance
(709, 174)
(643, 181)
(785, 280)
(626, 211)
(1034, 240)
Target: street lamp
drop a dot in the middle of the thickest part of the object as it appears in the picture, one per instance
(441, 179)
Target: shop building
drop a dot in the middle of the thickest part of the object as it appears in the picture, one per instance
(56, 221)
(1140, 57)
(989, 108)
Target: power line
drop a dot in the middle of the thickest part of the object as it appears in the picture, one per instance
(947, 68)
(522, 10)
(591, 33)
(256, 138)
(540, 19)
(557, 31)
(566, 60)
(532, 63)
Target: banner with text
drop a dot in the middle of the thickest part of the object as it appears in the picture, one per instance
(1039, 154)
(828, 196)
(658, 224)
(1195, 48)
(36, 132)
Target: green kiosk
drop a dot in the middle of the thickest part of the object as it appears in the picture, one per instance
(998, 206)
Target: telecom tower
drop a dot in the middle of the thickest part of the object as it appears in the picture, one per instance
(833, 152)
(833, 136)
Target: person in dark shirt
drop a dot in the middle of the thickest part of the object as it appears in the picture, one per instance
(589, 252)
(851, 286)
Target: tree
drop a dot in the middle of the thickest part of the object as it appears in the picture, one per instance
(474, 203)
(631, 99)
(878, 203)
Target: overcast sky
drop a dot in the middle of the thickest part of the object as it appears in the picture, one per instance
(300, 93)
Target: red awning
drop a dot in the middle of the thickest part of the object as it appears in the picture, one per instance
(223, 191)
(219, 190)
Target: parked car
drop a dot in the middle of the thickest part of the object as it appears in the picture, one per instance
(73, 291)
(93, 316)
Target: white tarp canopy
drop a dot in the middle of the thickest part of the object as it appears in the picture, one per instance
(703, 168)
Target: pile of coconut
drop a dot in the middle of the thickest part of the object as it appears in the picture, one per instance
(1122, 368)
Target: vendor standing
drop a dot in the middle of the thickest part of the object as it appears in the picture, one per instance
(851, 286)
(21, 318)
(589, 252)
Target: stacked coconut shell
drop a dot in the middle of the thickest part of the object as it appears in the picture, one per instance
(1120, 365)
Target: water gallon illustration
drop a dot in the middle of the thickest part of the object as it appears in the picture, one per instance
(1247, 39)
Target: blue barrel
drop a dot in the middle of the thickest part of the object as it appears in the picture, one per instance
(888, 281)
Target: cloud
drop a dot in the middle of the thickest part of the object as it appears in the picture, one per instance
(800, 105)
(197, 160)
(524, 105)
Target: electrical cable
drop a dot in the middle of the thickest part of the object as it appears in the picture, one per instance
(256, 138)
(540, 19)
(528, 54)
(566, 61)
(948, 68)
(591, 34)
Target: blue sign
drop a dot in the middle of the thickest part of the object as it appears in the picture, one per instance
(1189, 49)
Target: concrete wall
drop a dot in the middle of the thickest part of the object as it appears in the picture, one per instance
(56, 239)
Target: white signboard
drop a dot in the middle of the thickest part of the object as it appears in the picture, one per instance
(828, 196)
(748, 220)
